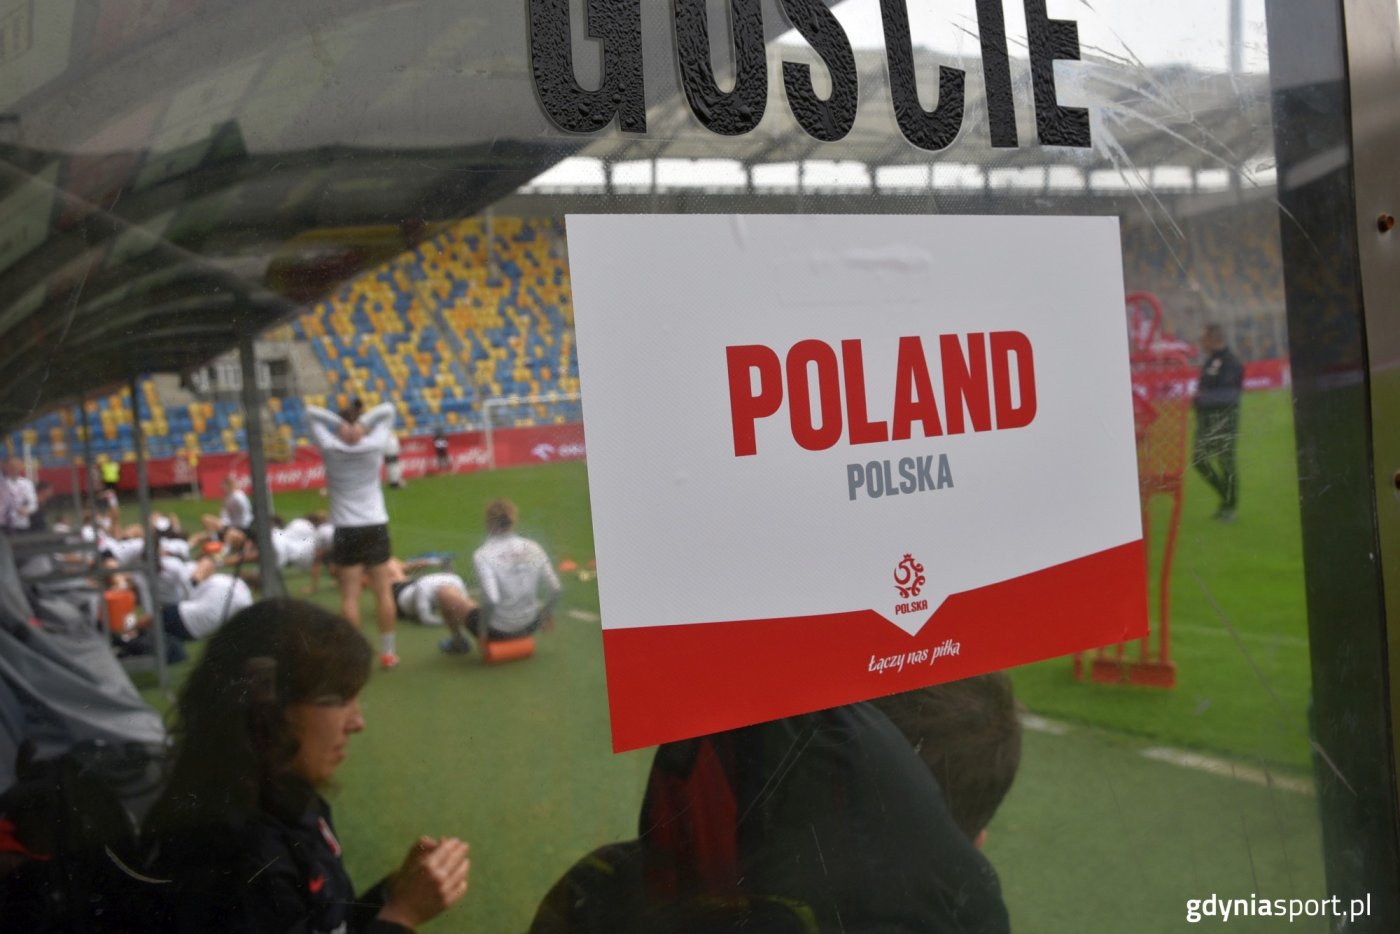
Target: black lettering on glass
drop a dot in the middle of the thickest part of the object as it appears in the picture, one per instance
(621, 93)
(996, 74)
(932, 130)
(831, 119)
(1051, 40)
(738, 111)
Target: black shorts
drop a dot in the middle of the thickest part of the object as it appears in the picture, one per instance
(172, 623)
(363, 544)
(495, 635)
(250, 533)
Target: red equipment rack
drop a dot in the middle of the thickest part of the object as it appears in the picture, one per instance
(1162, 380)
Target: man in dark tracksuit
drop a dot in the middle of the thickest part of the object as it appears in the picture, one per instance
(1218, 419)
(821, 822)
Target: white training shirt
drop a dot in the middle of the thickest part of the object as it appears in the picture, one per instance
(173, 582)
(211, 604)
(419, 600)
(179, 547)
(124, 551)
(24, 501)
(325, 537)
(238, 510)
(352, 470)
(295, 545)
(517, 581)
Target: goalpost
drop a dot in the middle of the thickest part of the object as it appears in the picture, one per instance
(498, 412)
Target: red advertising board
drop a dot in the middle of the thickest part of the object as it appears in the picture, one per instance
(467, 451)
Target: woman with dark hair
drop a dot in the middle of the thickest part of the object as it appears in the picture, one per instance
(240, 832)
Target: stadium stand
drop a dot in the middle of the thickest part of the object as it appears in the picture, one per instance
(1226, 262)
(479, 311)
(467, 316)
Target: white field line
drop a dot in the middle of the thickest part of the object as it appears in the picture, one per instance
(1041, 725)
(1280, 639)
(1222, 768)
(583, 615)
(1227, 769)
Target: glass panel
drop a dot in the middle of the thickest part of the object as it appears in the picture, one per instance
(378, 192)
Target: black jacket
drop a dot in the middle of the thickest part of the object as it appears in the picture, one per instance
(1221, 381)
(277, 871)
(823, 822)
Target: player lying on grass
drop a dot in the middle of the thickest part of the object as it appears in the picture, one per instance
(325, 540)
(302, 543)
(518, 585)
(431, 599)
(196, 601)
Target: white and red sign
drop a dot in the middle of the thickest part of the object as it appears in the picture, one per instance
(836, 457)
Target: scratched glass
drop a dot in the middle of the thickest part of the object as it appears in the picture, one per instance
(371, 198)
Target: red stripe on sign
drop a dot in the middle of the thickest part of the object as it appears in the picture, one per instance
(673, 682)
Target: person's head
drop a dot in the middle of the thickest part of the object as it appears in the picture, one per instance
(969, 735)
(317, 517)
(230, 483)
(353, 410)
(500, 516)
(273, 699)
(1212, 338)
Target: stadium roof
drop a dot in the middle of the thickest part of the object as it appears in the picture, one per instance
(175, 175)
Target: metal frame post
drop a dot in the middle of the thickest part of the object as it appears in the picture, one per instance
(1332, 69)
(88, 465)
(268, 571)
(73, 477)
(148, 532)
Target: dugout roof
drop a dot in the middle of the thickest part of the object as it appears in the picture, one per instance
(174, 175)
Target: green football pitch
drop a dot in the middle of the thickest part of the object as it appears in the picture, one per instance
(1106, 829)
